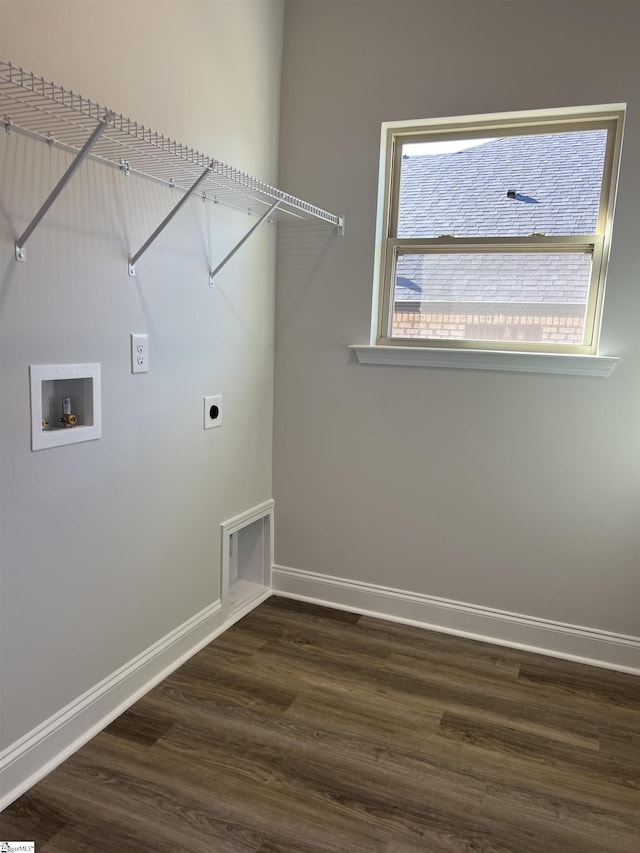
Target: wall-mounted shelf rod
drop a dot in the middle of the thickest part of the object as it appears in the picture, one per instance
(228, 257)
(165, 222)
(64, 180)
(44, 110)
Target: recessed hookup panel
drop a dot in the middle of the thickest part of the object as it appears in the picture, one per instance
(65, 404)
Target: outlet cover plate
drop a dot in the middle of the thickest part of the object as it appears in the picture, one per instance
(139, 353)
(212, 411)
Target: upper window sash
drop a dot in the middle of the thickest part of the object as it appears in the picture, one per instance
(490, 131)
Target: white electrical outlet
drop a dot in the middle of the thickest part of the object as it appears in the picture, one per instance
(139, 353)
(213, 411)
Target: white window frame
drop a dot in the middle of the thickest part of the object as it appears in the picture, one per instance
(389, 246)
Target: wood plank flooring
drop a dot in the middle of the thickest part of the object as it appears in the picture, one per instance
(309, 730)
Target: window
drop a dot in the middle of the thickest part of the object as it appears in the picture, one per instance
(494, 230)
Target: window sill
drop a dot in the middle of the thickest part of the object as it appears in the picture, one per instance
(518, 362)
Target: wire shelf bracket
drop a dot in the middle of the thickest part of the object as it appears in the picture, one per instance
(59, 187)
(165, 222)
(241, 242)
(45, 111)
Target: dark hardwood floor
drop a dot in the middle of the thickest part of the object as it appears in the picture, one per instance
(308, 730)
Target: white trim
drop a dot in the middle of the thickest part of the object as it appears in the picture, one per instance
(232, 525)
(41, 750)
(557, 114)
(471, 359)
(542, 636)
(247, 607)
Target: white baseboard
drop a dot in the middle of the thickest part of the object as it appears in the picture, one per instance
(542, 636)
(36, 754)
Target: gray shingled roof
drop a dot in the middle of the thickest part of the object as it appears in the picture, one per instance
(556, 179)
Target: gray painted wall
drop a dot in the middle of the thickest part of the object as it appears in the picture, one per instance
(516, 492)
(109, 545)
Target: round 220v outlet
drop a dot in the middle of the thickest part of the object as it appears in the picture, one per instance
(212, 411)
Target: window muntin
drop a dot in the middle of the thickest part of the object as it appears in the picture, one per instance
(536, 187)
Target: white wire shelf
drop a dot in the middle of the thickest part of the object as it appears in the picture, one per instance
(42, 109)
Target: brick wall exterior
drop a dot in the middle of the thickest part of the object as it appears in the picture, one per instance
(554, 328)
